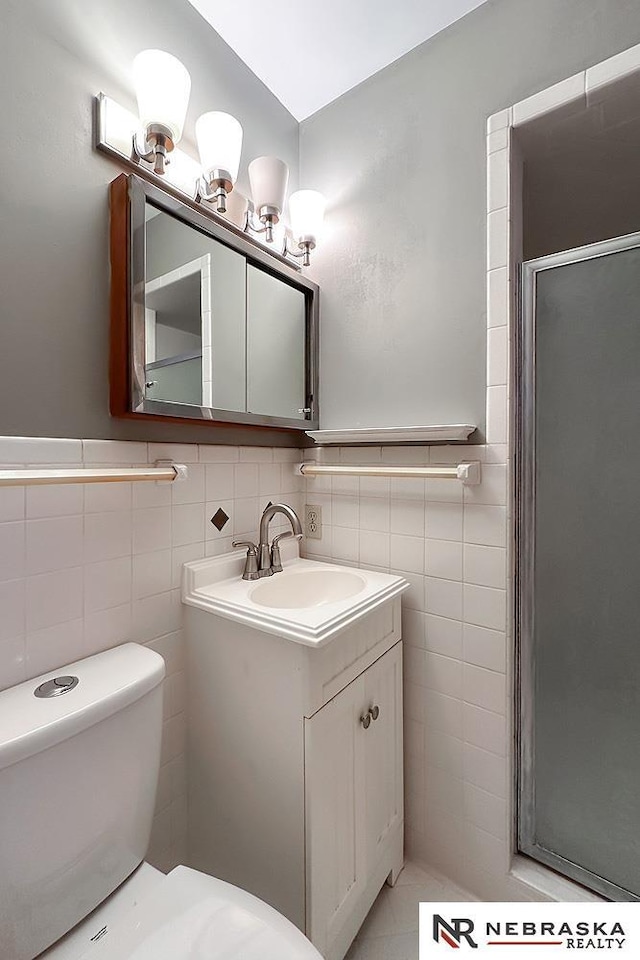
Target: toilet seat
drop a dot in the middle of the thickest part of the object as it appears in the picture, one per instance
(188, 915)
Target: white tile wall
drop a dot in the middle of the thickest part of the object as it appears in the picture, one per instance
(86, 567)
(559, 95)
(453, 547)
(450, 544)
(481, 852)
(616, 68)
(463, 716)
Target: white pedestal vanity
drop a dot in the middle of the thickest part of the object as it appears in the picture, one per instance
(295, 736)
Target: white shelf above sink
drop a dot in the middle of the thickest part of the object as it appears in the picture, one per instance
(437, 433)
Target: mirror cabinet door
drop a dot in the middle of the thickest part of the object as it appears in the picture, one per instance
(275, 346)
(195, 306)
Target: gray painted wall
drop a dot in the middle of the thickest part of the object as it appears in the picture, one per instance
(580, 180)
(402, 160)
(54, 266)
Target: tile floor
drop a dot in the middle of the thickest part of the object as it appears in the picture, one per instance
(390, 932)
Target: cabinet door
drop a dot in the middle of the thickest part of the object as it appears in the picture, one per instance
(383, 752)
(334, 787)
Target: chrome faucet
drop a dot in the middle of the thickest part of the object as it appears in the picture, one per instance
(264, 560)
(269, 559)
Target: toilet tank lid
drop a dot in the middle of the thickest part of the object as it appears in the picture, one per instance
(107, 682)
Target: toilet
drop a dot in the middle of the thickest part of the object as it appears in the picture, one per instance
(79, 760)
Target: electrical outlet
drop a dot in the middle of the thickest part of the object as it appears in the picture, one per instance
(313, 521)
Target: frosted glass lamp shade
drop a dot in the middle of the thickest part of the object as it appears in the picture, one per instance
(219, 137)
(237, 206)
(162, 86)
(269, 178)
(306, 215)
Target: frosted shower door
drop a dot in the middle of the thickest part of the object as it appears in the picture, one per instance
(579, 578)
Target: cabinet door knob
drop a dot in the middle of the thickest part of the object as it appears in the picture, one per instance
(365, 719)
(375, 712)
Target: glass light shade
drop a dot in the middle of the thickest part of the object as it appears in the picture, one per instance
(306, 214)
(219, 137)
(269, 178)
(237, 206)
(162, 86)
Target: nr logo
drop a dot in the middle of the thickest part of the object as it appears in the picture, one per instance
(454, 931)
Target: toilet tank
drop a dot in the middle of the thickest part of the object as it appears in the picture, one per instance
(78, 776)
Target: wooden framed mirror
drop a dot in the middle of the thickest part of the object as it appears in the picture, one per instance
(206, 324)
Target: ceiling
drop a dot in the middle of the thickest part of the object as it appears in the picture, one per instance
(310, 53)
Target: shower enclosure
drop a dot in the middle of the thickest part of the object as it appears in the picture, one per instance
(578, 565)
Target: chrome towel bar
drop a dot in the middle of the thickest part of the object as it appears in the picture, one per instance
(467, 473)
(160, 471)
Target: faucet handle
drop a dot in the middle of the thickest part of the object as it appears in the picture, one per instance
(282, 536)
(251, 563)
(276, 561)
(251, 547)
(287, 536)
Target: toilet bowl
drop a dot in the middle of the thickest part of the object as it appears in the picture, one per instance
(79, 760)
(185, 915)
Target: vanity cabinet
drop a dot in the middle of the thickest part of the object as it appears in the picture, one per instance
(353, 799)
(294, 791)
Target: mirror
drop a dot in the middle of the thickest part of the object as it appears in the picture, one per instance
(275, 345)
(218, 328)
(189, 279)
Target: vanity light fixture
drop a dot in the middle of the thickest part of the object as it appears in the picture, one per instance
(269, 178)
(306, 215)
(219, 137)
(162, 86)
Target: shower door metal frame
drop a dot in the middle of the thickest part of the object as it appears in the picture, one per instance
(525, 512)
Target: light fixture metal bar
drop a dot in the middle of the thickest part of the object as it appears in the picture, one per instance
(468, 473)
(38, 477)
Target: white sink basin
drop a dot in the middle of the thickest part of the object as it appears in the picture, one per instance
(296, 591)
(309, 602)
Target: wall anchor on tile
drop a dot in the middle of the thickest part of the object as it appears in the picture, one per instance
(181, 469)
(470, 473)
